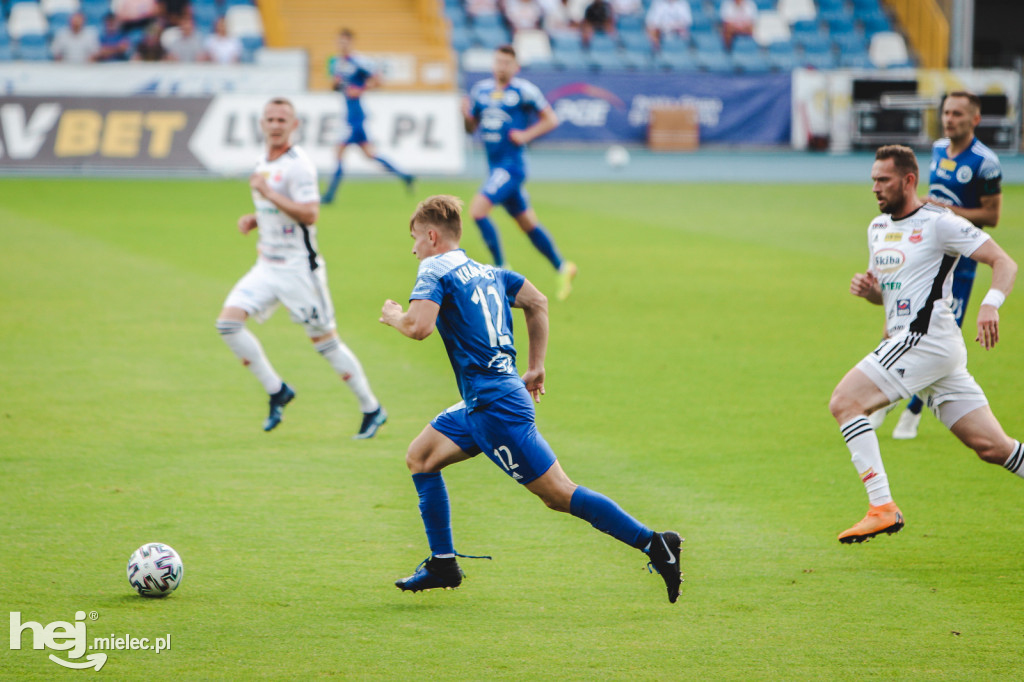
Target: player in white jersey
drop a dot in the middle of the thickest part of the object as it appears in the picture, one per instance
(289, 271)
(913, 250)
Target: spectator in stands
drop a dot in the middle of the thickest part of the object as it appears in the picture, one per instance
(114, 44)
(627, 7)
(135, 14)
(522, 14)
(76, 43)
(598, 17)
(666, 18)
(150, 48)
(738, 18)
(478, 8)
(222, 48)
(556, 16)
(188, 46)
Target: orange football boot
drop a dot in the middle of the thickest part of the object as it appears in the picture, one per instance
(885, 518)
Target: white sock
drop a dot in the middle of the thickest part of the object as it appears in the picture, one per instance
(867, 458)
(1015, 462)
(248, 349)
(351, 372)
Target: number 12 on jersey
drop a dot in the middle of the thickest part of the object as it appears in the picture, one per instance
(492, 318)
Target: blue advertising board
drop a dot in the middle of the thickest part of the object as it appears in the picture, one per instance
(615, 106)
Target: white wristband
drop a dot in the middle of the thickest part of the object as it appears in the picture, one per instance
(994, 298)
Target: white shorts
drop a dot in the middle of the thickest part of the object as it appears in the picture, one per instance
(301, 290)
(933, 368)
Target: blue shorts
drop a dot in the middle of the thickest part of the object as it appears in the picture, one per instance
(357, 134)
(505, 188)
(505, 431)
(963, 282)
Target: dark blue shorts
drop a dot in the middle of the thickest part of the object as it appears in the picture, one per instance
(506, 189)
(357, 134)
(505, 431)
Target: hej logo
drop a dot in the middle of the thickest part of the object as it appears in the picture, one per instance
(59, 636)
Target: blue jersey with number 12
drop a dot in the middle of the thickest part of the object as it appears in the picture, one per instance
(475, 322)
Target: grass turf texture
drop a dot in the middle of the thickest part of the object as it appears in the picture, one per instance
(688, 378)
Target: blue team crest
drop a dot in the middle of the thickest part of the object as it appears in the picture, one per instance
(964, 174)
(503, 362)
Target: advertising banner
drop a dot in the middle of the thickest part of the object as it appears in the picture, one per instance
(421, 133)
(615, 107)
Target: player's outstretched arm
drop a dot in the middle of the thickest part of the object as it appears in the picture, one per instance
(866, 286)
(468, 118)
(535, 310)
(1004, 274)
(416, 323)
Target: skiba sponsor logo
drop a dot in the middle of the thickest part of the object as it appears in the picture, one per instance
(889, 260)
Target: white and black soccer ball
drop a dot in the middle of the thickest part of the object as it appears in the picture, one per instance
(617, 156)
(155, 570)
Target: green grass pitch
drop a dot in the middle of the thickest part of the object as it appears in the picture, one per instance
(688, 378)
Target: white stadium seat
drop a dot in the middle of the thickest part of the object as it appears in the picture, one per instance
(243, 20)
(51, 7)
(770, 27)
(798, 10)
(532, 46)
(26, 18)
(888, 49)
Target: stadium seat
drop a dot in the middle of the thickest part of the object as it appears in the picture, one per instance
(205, 16)
(865, 6)
(797, 10)
(708, 42)
(569, 59)
(532, 46)
(637, 61)
(603, 60)
(52, 7)
(762, 5)
(802, 29)
(840, 23)
(566, 40)
(888, 50)
(243, 20)
(830, 5)
(631, 23)
(782, 56)
(676, 61)
(489, 37)
(850, 43)
(6, 53)
(488, 21)
(32, 47)
(457, 18)
(855, 60)
(238, 3)
(461, 38)
(637, 43)
(814, 42)
(94, 11)
(602, 42)
(770, 27)
(875, 23)
(59, 20)
(819, 59)
(27, 18)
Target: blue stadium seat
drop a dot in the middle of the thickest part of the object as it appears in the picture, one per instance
(715, 62)
(59, 20)
(457, 17)
(676, 61)
(763, 5)
(745, 45)
(805, 27)
(569, 59)
(850, 43)
(708, 42)
(602, 42)
(490, 37)
(830, 5)
(637, 43)
(855, 60)
(637, 61)
(819, 59)
(205, 16)
(251, 43)
(232, 3)
(32, 47)
(862, 6)
(488, 21)
(702, 25)
(566, 41)
(782, 56)
(94, 12)
(840, 23)
(631, 23)
(605, 61)
(6, 53)
(461, 38)
(875, 23)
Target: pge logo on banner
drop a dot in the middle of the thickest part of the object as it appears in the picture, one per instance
(589, 107)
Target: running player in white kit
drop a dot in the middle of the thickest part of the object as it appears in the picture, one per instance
(289, 271)
(914, 248)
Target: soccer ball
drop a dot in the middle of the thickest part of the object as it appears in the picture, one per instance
(155, 570)
(617, 156)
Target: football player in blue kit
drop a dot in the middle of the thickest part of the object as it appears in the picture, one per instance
(470, 306)
(503, 108)
(966, 178)
(352, 76)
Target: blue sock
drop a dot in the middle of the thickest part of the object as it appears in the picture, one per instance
(490, 234)
(915, 405)
(332, 189)
(436, 513)
(387, 164)
(608, 517)
(542, 240)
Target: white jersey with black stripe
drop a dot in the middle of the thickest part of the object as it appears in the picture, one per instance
(913, 260)
(283, 240)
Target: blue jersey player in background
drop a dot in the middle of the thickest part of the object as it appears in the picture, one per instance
(470, 306)
(510, 113)
(353, 75)
(966, 178)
